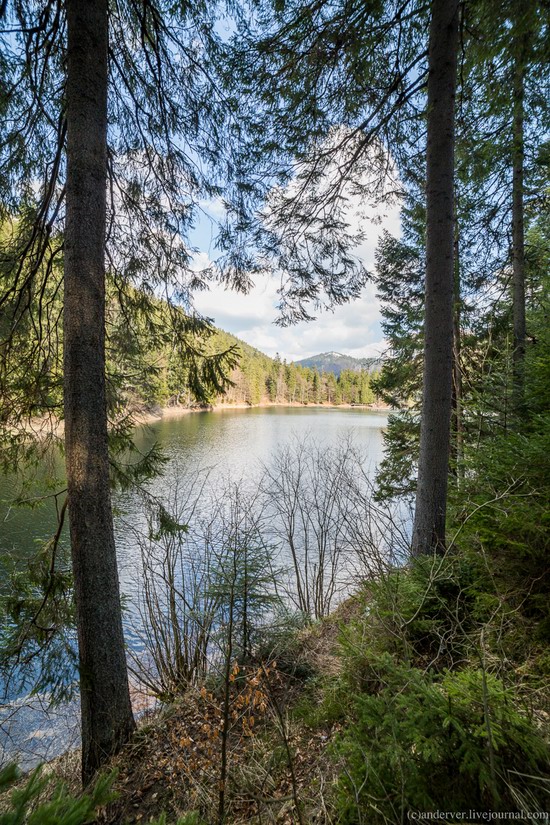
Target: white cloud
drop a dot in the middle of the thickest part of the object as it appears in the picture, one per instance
(353, 328)
(199, 261)
(214, 207)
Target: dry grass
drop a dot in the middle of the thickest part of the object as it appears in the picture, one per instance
(276, 763)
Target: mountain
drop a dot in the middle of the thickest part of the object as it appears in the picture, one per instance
(336, 362)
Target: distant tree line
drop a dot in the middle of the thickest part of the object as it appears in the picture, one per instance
(157, 355)
(255, 379)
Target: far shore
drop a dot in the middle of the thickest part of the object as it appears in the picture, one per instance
(47, 427)
(178, 410)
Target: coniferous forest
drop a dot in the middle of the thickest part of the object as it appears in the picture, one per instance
(319, 641)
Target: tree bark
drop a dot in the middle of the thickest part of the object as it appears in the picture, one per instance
(457, 367)
(433, 465)
(518, 231)
(106, 712)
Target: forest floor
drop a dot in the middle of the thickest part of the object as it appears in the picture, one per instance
(321, 712)
(279, 769)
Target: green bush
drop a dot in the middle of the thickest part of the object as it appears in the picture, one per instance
(502, 513)
(426, 722)
(423, 742)
(59, 808)
(426, 614)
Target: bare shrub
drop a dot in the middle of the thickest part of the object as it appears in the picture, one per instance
(206, 586)
(175, 607)
(378, 534)
(320, 503)
(208, 578)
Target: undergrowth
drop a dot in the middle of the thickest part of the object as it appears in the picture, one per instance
(437, 709)
(40, 800)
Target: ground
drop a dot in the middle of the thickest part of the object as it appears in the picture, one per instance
(279, 768)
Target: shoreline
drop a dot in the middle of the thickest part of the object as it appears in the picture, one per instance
(47, 427)
(142, 418)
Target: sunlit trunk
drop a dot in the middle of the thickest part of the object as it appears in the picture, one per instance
(518, 232)
(457, 367)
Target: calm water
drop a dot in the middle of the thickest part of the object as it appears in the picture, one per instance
(234, 444)
(230, 444)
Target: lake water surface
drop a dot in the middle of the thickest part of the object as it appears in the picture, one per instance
(231, 443)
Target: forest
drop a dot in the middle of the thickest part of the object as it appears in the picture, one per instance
(320, 642)
(160, 379)
(152, 374)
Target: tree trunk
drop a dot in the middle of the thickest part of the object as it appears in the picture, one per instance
(457, 367)
(518, 239)
(433, 465)
(106, 712)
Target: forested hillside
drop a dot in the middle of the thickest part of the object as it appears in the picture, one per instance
(258, 378)
(157, 355)
(254, 379)
(336, 362)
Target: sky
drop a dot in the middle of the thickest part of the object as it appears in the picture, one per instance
(352, 329)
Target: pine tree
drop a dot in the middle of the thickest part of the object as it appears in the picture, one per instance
(58, 162)
(433, 463)
(107, 720)
(400, 289)
(503, 111)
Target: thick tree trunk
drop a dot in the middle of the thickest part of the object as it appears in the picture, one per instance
(457, 367)
(433, 465)
(518, 239)
(107, 719)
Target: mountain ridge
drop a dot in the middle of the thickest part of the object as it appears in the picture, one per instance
(336, 362)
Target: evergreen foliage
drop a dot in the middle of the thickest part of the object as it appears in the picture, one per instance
(455, 743)
(306, 104)
(435, 688)
(485, 371)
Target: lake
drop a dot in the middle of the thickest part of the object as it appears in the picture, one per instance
(227, 445)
